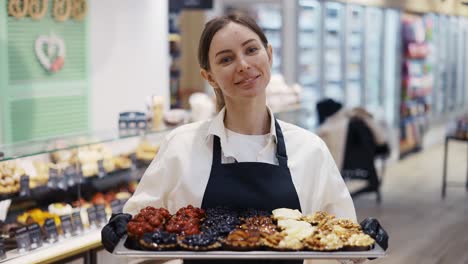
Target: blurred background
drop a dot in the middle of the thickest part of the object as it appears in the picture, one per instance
(89, 88)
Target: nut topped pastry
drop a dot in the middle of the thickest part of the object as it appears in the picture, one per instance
(359, 242)
(318, 217)
(323, 242)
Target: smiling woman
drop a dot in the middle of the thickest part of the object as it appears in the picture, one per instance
(244, 157)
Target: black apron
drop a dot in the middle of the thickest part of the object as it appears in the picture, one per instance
(256, 185)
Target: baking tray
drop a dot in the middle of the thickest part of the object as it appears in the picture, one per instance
(121, 250)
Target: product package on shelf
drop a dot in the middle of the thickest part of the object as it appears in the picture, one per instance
(416, 82)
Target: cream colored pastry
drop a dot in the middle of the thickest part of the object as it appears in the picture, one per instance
(290, 242)
(60, 209)
(360, 240)
(286, 213)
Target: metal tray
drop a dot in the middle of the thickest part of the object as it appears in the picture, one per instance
(121, 250)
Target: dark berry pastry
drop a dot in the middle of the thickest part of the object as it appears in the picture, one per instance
(159, 240)
(199, 242)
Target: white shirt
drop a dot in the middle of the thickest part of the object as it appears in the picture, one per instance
(179, 174)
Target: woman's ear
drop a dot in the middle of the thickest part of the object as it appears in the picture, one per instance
(208, 77)
(270, 54)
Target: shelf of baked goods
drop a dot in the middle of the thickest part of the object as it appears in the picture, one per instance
(60, 171)
(50, 145)
(49, 232)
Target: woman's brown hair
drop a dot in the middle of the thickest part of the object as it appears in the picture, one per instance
(213, 26)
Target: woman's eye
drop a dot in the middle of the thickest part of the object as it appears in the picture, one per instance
(225, 60)
(251, 49)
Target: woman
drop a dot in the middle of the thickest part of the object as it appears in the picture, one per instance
(244, 157)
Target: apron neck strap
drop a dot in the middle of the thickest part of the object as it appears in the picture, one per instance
(280, 148)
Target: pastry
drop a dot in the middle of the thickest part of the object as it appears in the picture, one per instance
(60, 209)
(243, 239)
(159, 240)
(359, 242)
(323, 242)
(199, 242)
(286, 213)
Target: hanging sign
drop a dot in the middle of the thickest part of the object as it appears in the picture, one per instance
(50, 51)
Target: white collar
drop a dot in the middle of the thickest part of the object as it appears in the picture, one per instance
(217, 128)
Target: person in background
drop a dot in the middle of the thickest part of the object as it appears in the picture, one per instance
(243, 157)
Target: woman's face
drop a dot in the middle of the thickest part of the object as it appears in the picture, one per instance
(239, 63)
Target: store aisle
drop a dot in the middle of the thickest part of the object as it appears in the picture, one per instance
(423, 228)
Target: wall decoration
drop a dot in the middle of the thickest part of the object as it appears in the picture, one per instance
(37, 8)
(50, 51)
(18, 8)
(79, 9)
(62, 10)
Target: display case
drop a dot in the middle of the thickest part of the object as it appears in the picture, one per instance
(58, 191)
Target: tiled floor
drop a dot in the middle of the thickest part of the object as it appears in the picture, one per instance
(423, 228)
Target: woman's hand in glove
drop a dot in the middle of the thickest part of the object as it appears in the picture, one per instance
(114, 230)
(372, 227)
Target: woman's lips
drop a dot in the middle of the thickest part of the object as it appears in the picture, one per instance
(248, 80)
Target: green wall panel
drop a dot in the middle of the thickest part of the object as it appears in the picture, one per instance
(35, 103)
(42, 117)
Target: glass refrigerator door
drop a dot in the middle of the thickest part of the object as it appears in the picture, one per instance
(269, 17)
(354, 51)
(373, 51)
(333, 30)
(391, 71)
(308, 32)
(442, 64)
(465, 62)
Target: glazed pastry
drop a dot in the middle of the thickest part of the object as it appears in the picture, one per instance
(243, 239)
(148, 220)
(296, 229)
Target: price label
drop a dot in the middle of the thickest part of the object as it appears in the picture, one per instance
(2, 249)
(101, 214)
(70, 175)
(24, 186)
(62, 181)
(77, 223)
(67, 226)
(133, 158)
(92, 216)
(116, 206)
(35, 235)
(22, 240)
(51, 230)
(53, 178)
(101, 170)
(78, 175)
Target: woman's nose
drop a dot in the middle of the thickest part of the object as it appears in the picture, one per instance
(243, 65)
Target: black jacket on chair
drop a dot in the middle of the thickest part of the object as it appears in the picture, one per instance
(360, 153)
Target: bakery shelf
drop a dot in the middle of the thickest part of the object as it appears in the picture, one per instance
(49, 145)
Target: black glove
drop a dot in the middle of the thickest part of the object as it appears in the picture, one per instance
(372, 227)
(114, 230)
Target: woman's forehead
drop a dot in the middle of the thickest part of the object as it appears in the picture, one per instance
(230, 36)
